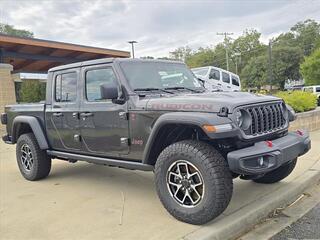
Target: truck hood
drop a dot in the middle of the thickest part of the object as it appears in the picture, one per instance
(206, 102)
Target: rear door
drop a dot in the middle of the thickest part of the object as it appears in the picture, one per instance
(214, 79)
(104, 125)
(63, 121)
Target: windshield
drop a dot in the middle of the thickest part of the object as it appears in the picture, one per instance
(159, 75)
(200, 71)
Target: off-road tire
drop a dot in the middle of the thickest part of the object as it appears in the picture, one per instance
(41, 161)
(215, 174)
(277, 174)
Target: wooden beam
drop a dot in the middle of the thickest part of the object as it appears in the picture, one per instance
(23, 64)
(37, 57)
(48, 66)
(60, 45)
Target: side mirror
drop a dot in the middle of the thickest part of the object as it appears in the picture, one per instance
(109, 91)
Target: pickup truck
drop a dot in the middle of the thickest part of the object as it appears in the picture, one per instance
(154, 115)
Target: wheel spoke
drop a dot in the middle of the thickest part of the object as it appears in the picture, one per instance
(175, 175)
(196, 192)
(174, 184)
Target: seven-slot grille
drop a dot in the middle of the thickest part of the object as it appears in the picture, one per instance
(265, 118)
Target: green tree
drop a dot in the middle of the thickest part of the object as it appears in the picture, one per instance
(181, 53)
(254, 74)
(147, 57)
(201, 57)
(32, 91)
(11, 30)
(307, 34)
(285, 64)
(245, 47)
(310, 68)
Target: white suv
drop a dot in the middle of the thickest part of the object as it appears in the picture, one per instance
(216, 78)
(313, 89)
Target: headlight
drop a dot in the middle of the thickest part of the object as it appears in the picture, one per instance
(239, 118)
(242, 119)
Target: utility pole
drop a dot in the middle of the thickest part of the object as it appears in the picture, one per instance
(237, 55)
(132, 47)
(270, 64)
(225, 34)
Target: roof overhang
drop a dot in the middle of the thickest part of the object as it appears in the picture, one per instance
(38, 55)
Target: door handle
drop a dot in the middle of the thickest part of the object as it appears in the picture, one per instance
(75, 115)
(86, 114)
(57, 114)
(219, 84)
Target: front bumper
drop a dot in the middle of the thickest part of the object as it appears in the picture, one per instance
(266, 156)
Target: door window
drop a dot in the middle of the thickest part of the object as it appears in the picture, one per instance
(66, 87)
(225, 77)
(214, 74)
(235, 80)
(94, 79)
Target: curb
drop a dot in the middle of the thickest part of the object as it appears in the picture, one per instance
(240, 222)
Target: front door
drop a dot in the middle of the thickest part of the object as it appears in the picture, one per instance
(103, 124)
(226, 86)
(63, 121)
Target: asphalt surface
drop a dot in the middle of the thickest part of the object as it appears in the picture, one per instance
(307, 227)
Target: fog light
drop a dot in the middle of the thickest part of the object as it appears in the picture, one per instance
(260, 161)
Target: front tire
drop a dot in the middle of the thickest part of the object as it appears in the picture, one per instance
(277, 174)
(193, 181)
(34, 163)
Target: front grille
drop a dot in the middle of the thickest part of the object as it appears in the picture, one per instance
(265, 118)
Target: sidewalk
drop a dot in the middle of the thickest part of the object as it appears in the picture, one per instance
(85, 201)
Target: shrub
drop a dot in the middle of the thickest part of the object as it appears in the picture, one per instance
(298, 100)
(32, 91)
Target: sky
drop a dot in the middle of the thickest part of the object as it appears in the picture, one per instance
(159, 27)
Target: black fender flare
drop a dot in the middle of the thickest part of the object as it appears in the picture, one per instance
(187, 118)
(36, 129)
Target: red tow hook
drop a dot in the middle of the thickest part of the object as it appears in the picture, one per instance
(299, 132)
(269, 143)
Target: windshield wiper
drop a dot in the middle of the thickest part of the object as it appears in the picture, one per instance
(151, 89)
(190, 89)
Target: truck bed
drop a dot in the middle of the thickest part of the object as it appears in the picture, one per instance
(26, 109)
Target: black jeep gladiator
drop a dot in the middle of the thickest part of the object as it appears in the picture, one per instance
(155, 115)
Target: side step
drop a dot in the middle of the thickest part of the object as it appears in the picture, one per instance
(100, 160)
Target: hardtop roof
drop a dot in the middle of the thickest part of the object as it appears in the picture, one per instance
(109, 60)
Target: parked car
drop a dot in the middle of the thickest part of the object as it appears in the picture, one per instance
(154, 115)
(216, 78)
(313, 89)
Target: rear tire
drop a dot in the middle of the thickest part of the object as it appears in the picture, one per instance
(277, 174)
(203, 195)
(34, 163)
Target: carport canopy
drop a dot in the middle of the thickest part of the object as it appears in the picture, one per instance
(32, 55)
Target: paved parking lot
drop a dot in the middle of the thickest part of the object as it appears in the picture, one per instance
(86, 201)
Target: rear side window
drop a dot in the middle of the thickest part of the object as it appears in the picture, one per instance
(66, 87)
(214, 74)
(317, 89)
(235, 80)
(94, 79)
(309, 89)
(225, 77)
